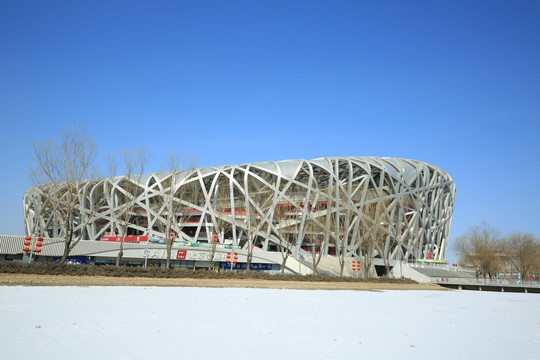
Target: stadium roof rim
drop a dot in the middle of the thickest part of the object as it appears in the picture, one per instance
(403, 168)
(397, 167)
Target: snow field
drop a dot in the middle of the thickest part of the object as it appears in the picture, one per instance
(232, 323)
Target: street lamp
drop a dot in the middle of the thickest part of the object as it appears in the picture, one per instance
(32, 246)
(232, 259)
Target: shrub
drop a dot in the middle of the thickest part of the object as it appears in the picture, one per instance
(37, 268)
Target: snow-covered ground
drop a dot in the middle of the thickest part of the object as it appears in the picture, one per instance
(208, 323)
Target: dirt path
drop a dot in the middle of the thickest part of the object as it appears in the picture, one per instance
(59, 280)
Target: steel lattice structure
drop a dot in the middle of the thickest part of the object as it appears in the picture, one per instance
(329, 205)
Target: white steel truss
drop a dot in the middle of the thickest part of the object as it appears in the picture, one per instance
(322, 205)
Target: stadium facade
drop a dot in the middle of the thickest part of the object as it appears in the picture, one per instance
(334, 206)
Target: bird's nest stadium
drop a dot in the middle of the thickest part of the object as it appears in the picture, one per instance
(333, 207)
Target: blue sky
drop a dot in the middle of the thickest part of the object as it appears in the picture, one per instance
(452, 83)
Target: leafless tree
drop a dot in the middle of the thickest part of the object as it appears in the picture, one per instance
(480, 248)
(59, 171)
(396, 224)
(220, 218)
(383, 223)
(340, 228)
(169, 209)
(134, 163)
(252, 220)
(318, 219)
(372, 232)
(257, 201)
(523, 252)
(285, 226)
(175, 199)
(368, 230)
(341, 219)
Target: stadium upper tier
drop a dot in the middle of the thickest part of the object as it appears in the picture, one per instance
(380, 207)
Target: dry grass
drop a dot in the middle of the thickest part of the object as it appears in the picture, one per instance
(41, 274)
(156, 272)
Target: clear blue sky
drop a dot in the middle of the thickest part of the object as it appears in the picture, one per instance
(452, 83)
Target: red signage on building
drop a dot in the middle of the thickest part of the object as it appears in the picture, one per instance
(111, 236)
(181, 254)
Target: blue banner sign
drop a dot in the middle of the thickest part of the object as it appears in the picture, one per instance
(224, 265)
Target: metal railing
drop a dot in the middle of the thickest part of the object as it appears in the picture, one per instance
(482, 281)
(429, 265)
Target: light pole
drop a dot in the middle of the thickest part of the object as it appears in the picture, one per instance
(232, 258)
(400, 262)
(146, 253)
(32, 245)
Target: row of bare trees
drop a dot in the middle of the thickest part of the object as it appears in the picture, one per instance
(62, 169)
(485, 250)
(325, 222)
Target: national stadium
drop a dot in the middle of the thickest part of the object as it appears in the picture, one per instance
(299, 213)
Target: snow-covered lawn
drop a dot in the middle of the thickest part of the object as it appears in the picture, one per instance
(213, 323)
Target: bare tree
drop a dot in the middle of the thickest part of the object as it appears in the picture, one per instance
(285, 230)
(252, 220)
(340, 228)
(168, 210)
(134, 163)
(257, 202)
(480, 248)
(175, 200)
(317, 221)
(371, 232)
(316, 217)
(220, 219)
(396, 224)
(387, 226)
(342, 219)
(523, 252)
(59, 172)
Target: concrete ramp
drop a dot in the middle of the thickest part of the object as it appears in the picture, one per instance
(445, 273)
